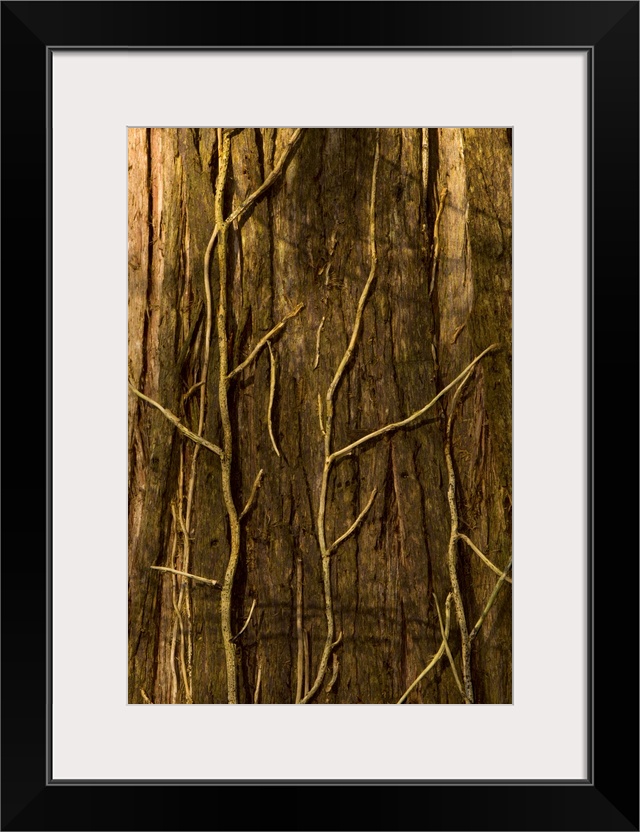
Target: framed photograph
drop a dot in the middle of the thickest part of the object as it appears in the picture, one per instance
(323, 301)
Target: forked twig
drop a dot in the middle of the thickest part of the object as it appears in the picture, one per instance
(183, 664)
(225, 419)
(414, 416)
(299, 631)
(272, 395)
(328, 430)
(219, 233)
(256, 695)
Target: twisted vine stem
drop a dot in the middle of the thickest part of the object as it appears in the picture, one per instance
(219, 236)
(327, 550)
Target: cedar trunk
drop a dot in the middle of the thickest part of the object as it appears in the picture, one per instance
(307, 240)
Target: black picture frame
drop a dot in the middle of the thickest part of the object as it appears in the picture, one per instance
(608, 798)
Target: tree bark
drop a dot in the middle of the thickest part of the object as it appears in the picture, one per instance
(307, 240)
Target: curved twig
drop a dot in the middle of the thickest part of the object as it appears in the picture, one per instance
(414, 416)
(490, 602)
(352, 528)
(246, 623)
(254, 490)
(445, 641)
(272, 395)
(318, 334)
(436, 239)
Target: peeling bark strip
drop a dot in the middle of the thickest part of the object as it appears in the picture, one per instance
(327, 313)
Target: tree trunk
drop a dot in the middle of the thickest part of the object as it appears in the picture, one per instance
(423, 219)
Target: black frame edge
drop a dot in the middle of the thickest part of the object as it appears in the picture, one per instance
(610, 799)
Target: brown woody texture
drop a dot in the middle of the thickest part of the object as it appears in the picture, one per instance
(306, 240)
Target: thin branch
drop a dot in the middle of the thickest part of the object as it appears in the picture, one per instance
(272, 395)
(352, 528)
(189, 639)
(256, 694)
(319, 333)
(197, 578)
(183, 664)
(425, 159)
(436, 239)
(185, 521)
(254, 490)
(365, 292)
(271, 178)
(447, 648)
(334, 675)
(441, 650)
(145, 698)
(189, 338)
(299, 631)
(322, 431)
(172, 560)
(328, 457)
(246, 623)
(452, 550)
(220, 233)
(490, 602)
(185, 588)
(192, 390)
(224, 150)
(263, 341)
(454, 337)
(178, 424)
(176, 599)
(307, 663)
(248, 202)
(482, 557)
(414, 416)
